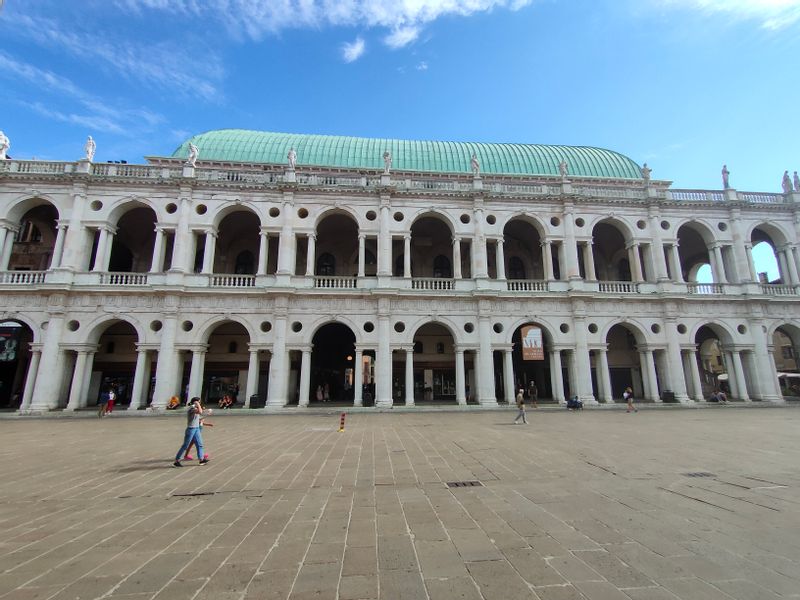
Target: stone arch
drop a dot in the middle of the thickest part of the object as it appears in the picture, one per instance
(703, 228)
(321, 322)
(525, 246)
(774, 232)
(723, 332)
(96, 328)
(636, 329)
(22, 204)
(547, 329)
(411, 330)
(231, 207)
(618, 223)
(127, 204)
(610, 237)
(337, 232)
(30, 322)
(434, 213)
(206, 330)
(330, 211)
(530, 219)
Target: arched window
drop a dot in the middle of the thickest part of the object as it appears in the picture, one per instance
(516, 270)
(245, 263)
(326, 265)
(441, 267)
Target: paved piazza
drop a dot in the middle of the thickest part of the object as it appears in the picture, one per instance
(663, 504)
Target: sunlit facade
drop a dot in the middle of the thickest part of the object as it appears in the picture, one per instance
(362, 279)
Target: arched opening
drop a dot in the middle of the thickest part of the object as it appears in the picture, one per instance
(434, 367)
(15, 358)
(714, 370)
(337, 246)
(532, 345)
(333, 364)
(624, 362)
(132, 248)
(226, 364)
(441, 267)
(611, 257)
(785, 347)
(694, 255)
(238, 235)
(35, 240)
(114, 365)
(771, 265)
(430, 238)
(522, 250)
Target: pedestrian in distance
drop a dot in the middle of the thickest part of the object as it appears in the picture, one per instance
(203, 423)
(521, 407)
(628, 395)
(102, 403)
(112, 396)
(192, 433)
(533, 393)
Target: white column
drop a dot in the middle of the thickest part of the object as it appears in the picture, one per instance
(252, 377)
(410, 376)
(263, 252)
(508, 376)
(718, 264)
(461, 383)
(8, 249)
(311, 254)
(588, 261)
(209, 251)
(30, 379)
(547, 248)
(77, 241)
(58, 249)
(635, 262)
(383, 388)
(738, 370)
(569, 267)
(485, 366)
(157, 264)
(166, 369)
(787, 253)
(695, 371)
(740, 251)
(479, 262)
(361, 252)
(139, 378)
(675, 257)
(677, 379)
(287, 244)
(384, 241)
(196, 373)
(501, 260)
(100, 255)
(583, 371)
(457, 257)
(556, 376)
(305, 378)
(407, 256)
(652, 379)
(78, 381)
(278, 371)
(767, 382)
(358, 380)
(183, 242)
(3, 233)
(46, 394)
(751, 265)
(657, 248)
(603, 375)
(794, 256)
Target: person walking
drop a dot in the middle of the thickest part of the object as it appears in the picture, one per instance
(192, 433)
(628, 395)
(112, 396)
(102, 403)
(521, 407)
(533, 393)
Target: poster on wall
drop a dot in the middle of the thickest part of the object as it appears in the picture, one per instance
(532, 346)
(9, 343)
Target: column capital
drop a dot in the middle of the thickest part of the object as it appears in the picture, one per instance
(362, 235)
(456, 239)
(406, 236)
(312, 236)
(296, 347)
(545, 242)
(6, 224)
(147, 347)
(79, 348)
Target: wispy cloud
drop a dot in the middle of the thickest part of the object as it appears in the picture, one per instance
(255, 18)
(772, 14)
(353, 51)
(161, 65)
(96, 114)
(422, 66)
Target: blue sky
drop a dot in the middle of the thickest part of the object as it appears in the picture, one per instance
(684, 85)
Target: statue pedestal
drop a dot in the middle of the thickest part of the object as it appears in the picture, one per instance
(84, 166)
(188, 170)
(566, 186)
(793, 198)
(386, 180)
(731, 195)
(477, 183)
(289, 176)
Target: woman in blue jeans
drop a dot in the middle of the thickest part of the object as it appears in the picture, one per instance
(192, 434)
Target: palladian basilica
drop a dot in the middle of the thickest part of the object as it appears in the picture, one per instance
(289, 271)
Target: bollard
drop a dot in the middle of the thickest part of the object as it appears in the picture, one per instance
(341, 422)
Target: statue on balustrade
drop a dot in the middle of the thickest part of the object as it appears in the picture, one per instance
(5, 144)
(646, 173)
(786, 183)
(563, 169)
(387, 162)
(475, 165)
(193, 154)
(89, 149)
(291, 158)
(796, 182)
(726, 184)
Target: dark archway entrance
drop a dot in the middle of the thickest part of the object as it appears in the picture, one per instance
(332, 364)
(15, 356)
(536, 370)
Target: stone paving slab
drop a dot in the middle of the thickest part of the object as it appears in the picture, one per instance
(598, 505)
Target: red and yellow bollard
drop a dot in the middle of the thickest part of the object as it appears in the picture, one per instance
(341, 422)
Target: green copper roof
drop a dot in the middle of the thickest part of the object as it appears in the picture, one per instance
(240, 145)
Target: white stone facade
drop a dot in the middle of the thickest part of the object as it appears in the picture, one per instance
(454, 263)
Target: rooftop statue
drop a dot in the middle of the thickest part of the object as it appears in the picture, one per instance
(5, 144)
(292, 158)
(387, 162)
(646, 172)
(796, 182)
(787, 183)
(563, 169)
(475, 165)
(726, 183)
(89, 148)
(193, 153)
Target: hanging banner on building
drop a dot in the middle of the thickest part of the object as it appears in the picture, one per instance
(9, 343)
(532, 346)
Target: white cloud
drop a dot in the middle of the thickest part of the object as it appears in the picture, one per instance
(254, 18)
(422, 66)
(773, 14)
(353, 51)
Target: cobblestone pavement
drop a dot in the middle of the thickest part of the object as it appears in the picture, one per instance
(604, 505)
